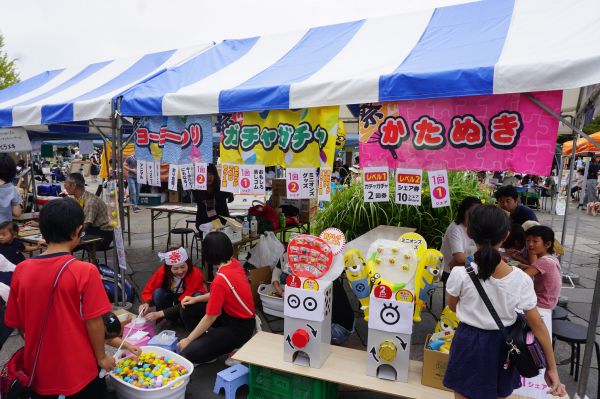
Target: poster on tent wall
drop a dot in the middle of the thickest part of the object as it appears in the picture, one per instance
(499, 132)
(303, 138)
(174, 139)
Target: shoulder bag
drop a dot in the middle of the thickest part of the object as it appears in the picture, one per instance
(15, 383)
(524, 350)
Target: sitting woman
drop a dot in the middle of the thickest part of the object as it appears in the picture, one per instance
(226, 322)
(173, 281)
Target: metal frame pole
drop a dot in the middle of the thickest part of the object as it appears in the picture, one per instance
(581, 198)
(115, 170)
(591, 338)
(120, 144)
(569, 185)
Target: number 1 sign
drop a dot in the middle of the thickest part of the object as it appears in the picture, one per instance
(439, 189)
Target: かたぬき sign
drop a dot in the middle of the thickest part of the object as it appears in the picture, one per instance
(499, 132)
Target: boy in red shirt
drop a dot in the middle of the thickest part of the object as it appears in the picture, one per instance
(72, 347)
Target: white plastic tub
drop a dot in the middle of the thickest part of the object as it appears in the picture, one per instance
(173, 390)
(270, 304)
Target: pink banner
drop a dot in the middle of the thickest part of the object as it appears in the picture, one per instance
(499, 132)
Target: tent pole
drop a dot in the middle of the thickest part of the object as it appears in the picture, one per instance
(121, 190)
(116, 171)
(591, 338)
(569, 186)
(563, 120)
(580, 203)
(34, 206)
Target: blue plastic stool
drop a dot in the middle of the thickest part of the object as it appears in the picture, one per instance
(231, 379)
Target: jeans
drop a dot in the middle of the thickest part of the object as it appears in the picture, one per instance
(339, 334)
(134, 190)
(163, 298)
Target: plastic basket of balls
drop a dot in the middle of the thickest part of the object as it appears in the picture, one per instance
(156, 374)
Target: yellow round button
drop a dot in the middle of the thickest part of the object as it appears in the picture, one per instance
(387, 351)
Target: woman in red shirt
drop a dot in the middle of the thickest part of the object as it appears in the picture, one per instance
(228, 321)
(173, 281)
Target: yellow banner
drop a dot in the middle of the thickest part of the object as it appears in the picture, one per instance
(303, 138)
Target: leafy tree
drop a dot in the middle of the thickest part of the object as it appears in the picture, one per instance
(592, 127)
(8, 69)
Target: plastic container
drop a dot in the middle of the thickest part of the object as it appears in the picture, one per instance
(245, 229)
(166, 340)
(265, 383)
(271, 305)
(173, 390)
(253, 227)
(139, 324)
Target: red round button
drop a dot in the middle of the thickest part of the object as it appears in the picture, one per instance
(300, 338)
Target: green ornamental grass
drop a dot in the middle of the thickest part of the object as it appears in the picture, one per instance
(350, 213)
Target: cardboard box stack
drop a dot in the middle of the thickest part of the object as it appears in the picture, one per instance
(308, 207)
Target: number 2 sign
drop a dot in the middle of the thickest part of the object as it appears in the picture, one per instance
(439, 189)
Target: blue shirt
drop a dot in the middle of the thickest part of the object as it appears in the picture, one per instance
(9, 197)
(522, 214)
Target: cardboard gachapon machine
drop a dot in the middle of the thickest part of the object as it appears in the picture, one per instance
(390, 330)
(308, 299)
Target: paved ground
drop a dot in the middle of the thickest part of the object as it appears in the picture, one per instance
(143, 261)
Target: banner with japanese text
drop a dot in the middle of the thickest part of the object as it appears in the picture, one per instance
(303, 138)
(174, 139)
(499, 132)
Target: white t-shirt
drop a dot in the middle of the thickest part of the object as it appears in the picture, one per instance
(456, 240)
(514, 291)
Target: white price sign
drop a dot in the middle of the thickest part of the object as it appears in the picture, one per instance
(252, 179)
(408, 186)
(439, 189)
(173, 172)
(14, 139)
(142, 177)
(152, 172)
(376, 184)
(325, 184)
(230, 178)
(301, 183)
(200, 175)
(187, 176)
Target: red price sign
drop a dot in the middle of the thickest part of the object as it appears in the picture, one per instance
(293, 187)
(439, 192)
(383, 291)
(293, 281)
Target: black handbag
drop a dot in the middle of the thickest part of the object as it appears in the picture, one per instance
(524, 351)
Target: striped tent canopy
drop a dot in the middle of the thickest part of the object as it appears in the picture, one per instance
(484, 47)
(82, 93)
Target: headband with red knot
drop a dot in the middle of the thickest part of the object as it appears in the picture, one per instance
(174, 257)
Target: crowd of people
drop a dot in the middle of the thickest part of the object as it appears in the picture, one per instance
(515, 259)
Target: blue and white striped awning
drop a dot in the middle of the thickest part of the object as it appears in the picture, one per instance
(487, 47)
(82, 93)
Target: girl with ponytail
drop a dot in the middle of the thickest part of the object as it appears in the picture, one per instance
(476, 367)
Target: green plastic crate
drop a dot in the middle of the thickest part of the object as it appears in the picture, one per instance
(270, 384)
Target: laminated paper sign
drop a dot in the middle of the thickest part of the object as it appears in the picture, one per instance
(200, 175)
(301, 183)
(325, 184)
(408, 186)
(230, 177)
(187, 176)
(376, 184)
(173, 172)
(142, 177)
(153, 173)
(252, 179)
(439, 189)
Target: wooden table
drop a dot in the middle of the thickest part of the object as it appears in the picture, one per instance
(344, 366)
(169, 209)
(90, 241)
(363, 242)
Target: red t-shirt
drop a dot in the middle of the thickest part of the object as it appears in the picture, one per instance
(222, 298)
(66, 362)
